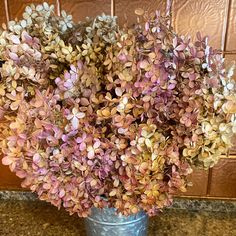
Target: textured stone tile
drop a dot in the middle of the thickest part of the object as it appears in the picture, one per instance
(37, 218)
(17, 196)
(204, 205)
(219, 224)
(179, 202)
(21, 218)
(176, 223)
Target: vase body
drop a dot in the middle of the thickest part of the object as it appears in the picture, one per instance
(106, 222)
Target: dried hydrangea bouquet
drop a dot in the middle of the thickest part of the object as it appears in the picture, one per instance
(93, 115)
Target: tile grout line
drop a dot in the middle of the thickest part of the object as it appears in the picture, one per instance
(58, 7)
(223, 48)
(230, 52)
(169, 8)
(6, 10)
(225, 27)
(112, 7)
(209, 179)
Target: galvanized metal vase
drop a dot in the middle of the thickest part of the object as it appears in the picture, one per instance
(106, 222)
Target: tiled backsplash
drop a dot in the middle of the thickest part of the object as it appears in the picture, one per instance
(216, 18)
(80, 9)
(17, 7)
(125, 9)
(231, 36)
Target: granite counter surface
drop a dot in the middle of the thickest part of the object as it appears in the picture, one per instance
(185, 218)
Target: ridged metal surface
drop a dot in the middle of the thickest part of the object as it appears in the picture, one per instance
(106, 222)
(206, 16)
(231, 39)
(125, 9)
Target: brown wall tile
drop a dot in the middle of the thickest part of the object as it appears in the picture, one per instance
(223, 182)
(17, 7)
(80, 9)
(125, 9)
(2, 12)
(232, 151)
(8, 180)
(199, 179)
(206, 16)
(231, 37)
(229, 60)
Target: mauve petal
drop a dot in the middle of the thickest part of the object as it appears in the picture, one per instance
(80, 115)
(90, 163)
(36, 158)
(21, 142)
(62, 193)
(67, 75)
(192, 76)
(21, 174)
(57, 80)
(70, 116)
(147, 26)
(25, 36)
(181, 47)
(73, 77)
(84, 136)
(91, 154)
(75, 122)
(82, 146)
(64, 138)
(122, 57)
(97, 144)
(79, 140)
(46, 186)
(6, 161)
(68, 84)
(80, 65)
(73, 68)
(15, 39)
(175, 42)
(200, 54)
(13, 56)
(171, 86)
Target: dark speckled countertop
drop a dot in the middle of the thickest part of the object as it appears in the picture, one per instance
(21, 214)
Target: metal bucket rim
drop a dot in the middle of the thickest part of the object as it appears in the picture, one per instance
(115, 223)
